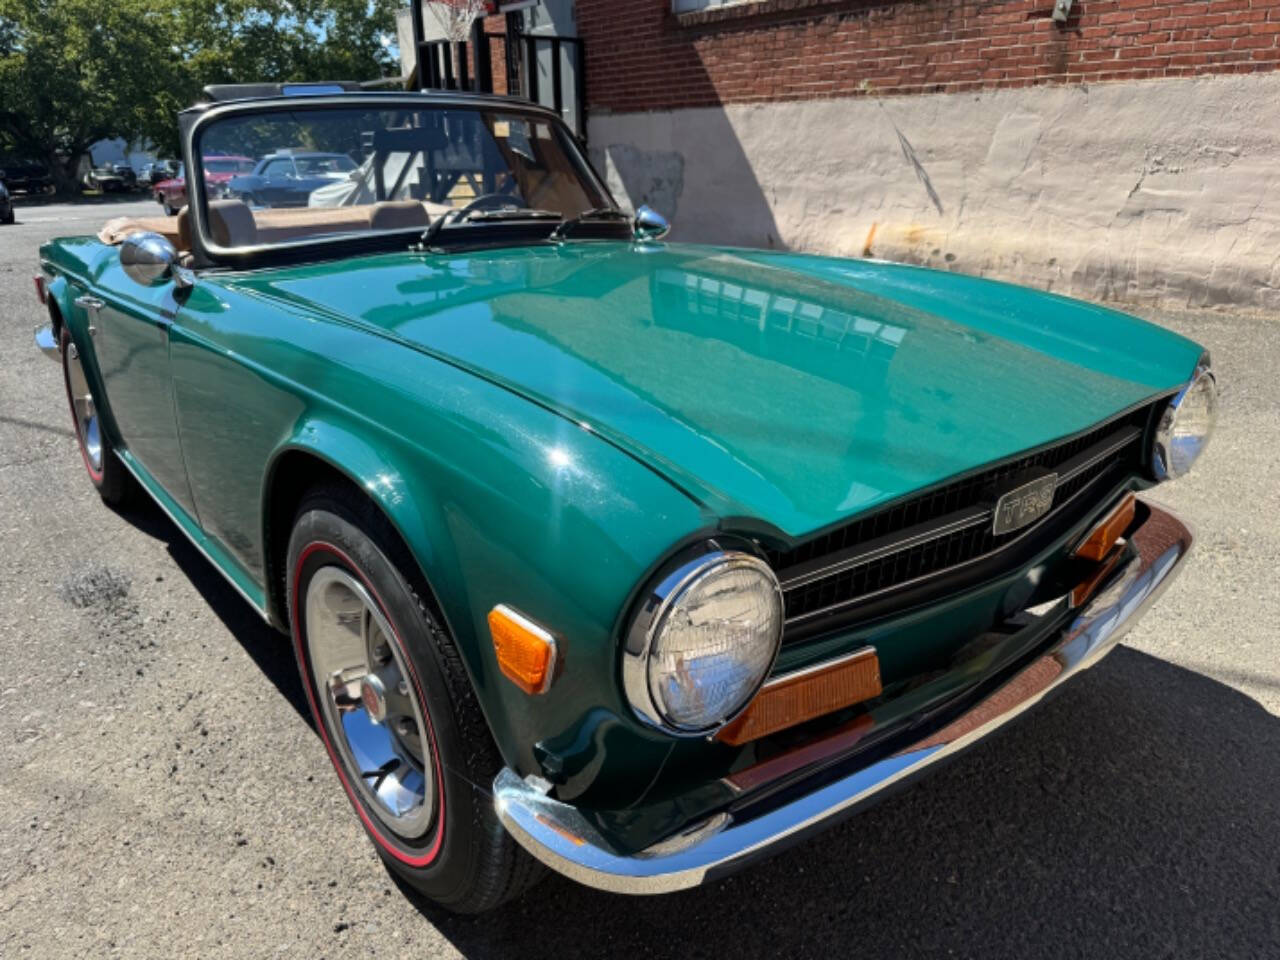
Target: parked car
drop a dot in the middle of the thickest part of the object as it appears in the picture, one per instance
(112, 178)
(6, 205)
(639, 560)
(157, 172)
(288, 178)
(218, 171)
(25, 176)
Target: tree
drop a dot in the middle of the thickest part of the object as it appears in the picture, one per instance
(455, 17)
(73, 72)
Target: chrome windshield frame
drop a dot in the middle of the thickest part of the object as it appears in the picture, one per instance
(196, 121)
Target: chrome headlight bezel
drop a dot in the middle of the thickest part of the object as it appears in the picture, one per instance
(1164, 464)
(674, 581)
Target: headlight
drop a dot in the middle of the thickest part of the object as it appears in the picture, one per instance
(703, 641)
(1186, 424)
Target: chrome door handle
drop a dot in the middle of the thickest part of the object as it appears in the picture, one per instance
(91, 306)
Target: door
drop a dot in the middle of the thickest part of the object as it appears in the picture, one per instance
(279, 183)
(131, 341)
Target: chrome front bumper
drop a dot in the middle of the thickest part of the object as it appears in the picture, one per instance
(48, 343)
(558, 835)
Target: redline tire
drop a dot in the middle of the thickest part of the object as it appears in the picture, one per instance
(108, 475)
(465, 862)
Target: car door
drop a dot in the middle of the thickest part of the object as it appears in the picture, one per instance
(131, 341)
(278, 182)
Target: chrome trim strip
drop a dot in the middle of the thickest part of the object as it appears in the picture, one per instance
(199, 547)
(951, 523)
(821, 667)
(1098, 452)
(47, 343)
(886, 545)
(1022, 535)
(558, 835)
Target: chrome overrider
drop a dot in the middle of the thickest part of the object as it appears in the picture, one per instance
(558, 835)
(48, 343)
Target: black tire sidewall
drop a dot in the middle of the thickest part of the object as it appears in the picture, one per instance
(114, 483)
(327, 534)
(96, 477)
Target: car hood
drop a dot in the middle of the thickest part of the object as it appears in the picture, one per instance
(789, 389)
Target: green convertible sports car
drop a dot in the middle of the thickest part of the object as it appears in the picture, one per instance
(638, 560)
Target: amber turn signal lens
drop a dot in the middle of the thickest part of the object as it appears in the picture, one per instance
(42, 291)
(792, 699)
(526, 652)
(1104, 536)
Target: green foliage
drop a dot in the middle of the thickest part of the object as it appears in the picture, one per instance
(73, 72)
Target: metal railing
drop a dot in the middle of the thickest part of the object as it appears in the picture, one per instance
(468, 65)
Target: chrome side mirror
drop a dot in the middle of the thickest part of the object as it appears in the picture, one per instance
(650, 224)
(150, 259)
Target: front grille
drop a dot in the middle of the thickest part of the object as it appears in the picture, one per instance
(945, 528)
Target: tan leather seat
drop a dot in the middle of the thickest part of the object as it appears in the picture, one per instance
(184, 229)
(231, 224)
(399, 215)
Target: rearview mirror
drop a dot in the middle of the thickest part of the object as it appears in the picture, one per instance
(650, 224)
(150, 259)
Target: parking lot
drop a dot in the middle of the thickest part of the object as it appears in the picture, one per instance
(164, 794)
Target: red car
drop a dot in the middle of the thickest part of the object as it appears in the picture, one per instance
(172, 194)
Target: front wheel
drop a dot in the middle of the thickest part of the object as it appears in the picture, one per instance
(107, 474)
(395, 708)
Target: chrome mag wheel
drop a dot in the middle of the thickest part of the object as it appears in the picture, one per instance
(88, 423)
(370, 707)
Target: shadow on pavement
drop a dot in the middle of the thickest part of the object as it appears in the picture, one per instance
(1133, 815)
(33, 201)
(268, 648)
(37, 425)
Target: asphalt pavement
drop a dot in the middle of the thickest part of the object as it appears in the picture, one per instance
(163, 794)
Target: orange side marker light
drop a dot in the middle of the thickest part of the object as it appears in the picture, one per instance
(527, 653)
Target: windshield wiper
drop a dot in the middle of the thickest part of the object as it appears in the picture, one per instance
(491, 216)
(598, 213)
(520, 213)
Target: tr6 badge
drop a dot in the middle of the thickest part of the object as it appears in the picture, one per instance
(1024, 504)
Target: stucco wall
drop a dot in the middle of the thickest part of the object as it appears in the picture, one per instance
(1155, 191)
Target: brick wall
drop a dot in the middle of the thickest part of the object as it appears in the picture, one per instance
(640, 56)
(498, 52)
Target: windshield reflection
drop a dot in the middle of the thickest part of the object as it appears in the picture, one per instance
(288, 177)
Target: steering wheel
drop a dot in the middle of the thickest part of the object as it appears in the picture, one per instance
(487, 201)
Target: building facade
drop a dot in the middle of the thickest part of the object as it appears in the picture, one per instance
(1113, 149)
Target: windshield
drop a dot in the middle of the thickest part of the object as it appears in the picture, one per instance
(228, 165)
(327, 173)
(319, 166)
